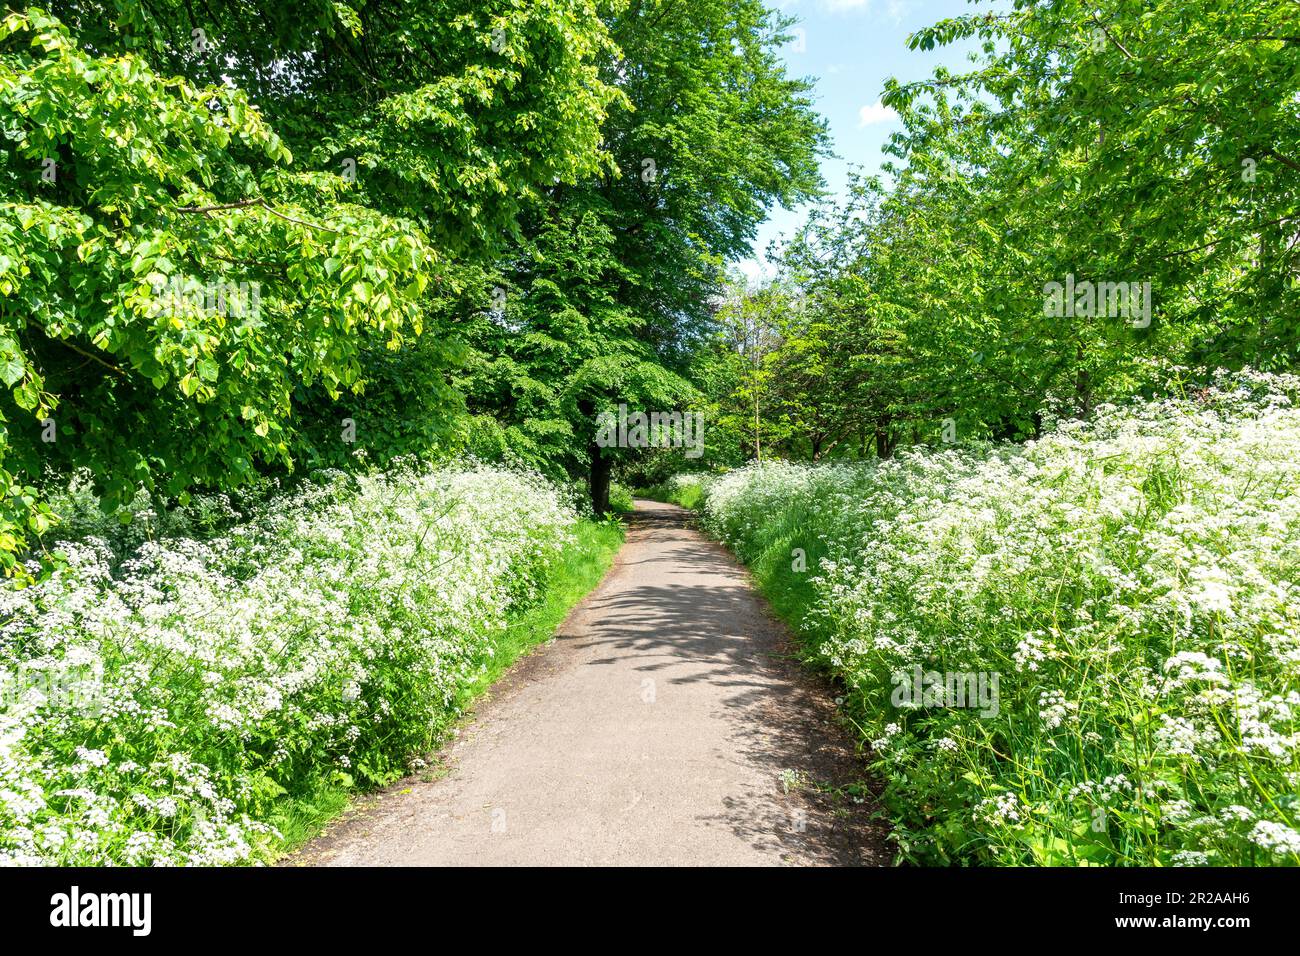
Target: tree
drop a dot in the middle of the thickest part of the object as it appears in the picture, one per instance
(614, 283)
(1152, 140)
(182, 306)
(561, 349)
(166, 280)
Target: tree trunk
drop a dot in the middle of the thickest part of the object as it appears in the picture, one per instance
(598, 481)
(884, 442)
(1083, 394)
(602, 465)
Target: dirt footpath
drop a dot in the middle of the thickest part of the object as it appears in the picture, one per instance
(666, 724)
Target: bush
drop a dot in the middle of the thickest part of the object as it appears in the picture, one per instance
(1129, 582)
(160, 707)
(620, 499)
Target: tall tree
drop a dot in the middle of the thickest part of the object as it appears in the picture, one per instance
(219, 230)
(712, 134)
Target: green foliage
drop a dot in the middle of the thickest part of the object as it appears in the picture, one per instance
(1115, 142)
(1114, 587)
(560, 347)
(609, 291)
(454, 113)
(620, 499)
(183, 305)
(686, 490)
(315, 645)
(239, 238)
(1153, 138)
(165, 196)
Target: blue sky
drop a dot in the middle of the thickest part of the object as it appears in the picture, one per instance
(849, 48)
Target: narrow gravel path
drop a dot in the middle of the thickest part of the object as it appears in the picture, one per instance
(665, 725)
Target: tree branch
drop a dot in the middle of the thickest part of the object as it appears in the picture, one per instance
(244, 204)
(94, 358)
(1269, 151)
(1109, 36)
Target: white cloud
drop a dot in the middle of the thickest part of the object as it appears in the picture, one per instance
(836, 6)
(898, 9)
(877, 112)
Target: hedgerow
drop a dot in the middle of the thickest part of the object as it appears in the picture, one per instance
(163, 700)
(1131, 581)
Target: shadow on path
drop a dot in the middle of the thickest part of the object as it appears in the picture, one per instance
(667, 723)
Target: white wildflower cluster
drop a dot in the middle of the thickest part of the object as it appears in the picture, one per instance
(1135, 581)
(1107, 791)
(881, 743)
(688, 480)
(326, 638)
(1002, 808)
(1181, 737)
(1054, 709)
(1276, 838)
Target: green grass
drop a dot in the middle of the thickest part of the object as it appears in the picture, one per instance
(620, 499)
(574, 572)
(304, 816)
(688, 496)
(782, 576)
